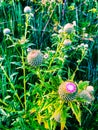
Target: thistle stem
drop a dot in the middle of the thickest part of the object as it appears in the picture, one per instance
(23, 63)
(57, 50)
(24, 79)
(77, 68)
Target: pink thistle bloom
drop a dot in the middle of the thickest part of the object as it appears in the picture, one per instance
(70, 87)
(68, 90)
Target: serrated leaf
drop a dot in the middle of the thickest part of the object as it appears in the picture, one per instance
(69, 73)
(75, 107)
(33, 110)
(58, 111)
(39, 118)
(2, 112)
(63, 118)
(46, 124)
(7, 97)
(3, 102)
(21, 77)
(14, 74)
(82, 85)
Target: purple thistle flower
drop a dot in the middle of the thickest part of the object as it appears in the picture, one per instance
(68, 90)
(70, 87)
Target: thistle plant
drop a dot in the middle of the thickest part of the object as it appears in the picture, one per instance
(59, 94)
(27, 11)
(42, 83)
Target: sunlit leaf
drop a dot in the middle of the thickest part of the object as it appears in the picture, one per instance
(82, 85)
(75, 107)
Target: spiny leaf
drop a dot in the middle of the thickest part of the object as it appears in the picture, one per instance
(63, 118)
(75, 107)
(83, 84)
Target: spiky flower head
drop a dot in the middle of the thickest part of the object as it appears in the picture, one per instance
(27, 10)
(67, 42)
(69, 27)
(68, 90)
(6, 31)
(87, 96)
(35, 58)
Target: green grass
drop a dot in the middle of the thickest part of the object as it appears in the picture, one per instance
(29, 96)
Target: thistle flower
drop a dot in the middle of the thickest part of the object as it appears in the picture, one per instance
(35, 58)
(69, 27)
(6, 31)
(68, 90)
(87, 96)
(27, 10)
(67, 42)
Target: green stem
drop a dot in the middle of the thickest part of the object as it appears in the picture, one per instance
(9, 37)
(24, 79)
(23, 63)
(77, 68)
(57, 50)
(12, 86)
(26, 25)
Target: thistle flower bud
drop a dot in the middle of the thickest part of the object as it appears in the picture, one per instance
(35, 58)
(6, 31)
(67, 42)
(87, 96)
(69, 27)
(67, 91)
(27, 9)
